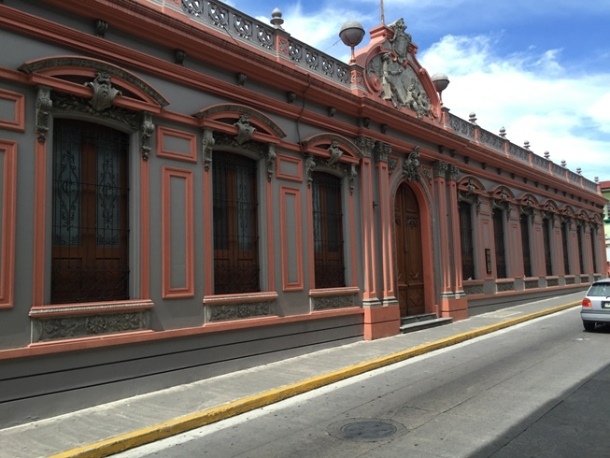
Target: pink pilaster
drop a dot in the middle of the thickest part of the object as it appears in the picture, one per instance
(440, 169)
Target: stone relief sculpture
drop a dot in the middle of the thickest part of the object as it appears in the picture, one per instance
(245, 130)
(310, 163)
(335, 153)
(44, 105)
(103, 92)
(207, 143)
(410, 166)
(270, 156)
(147, 129)
(400, 41)
(391, 73)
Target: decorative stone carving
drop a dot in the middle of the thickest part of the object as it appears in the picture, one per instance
(366, 145)
(44, 105)
(470, 195)
(392, 163)
(271, 155)
(391, 73)
(382, 151)
(352, 174)
(332, 302)
(147, 129)
(239, 311)
(500, 200)
(400, 40)
(100, 27)
(411, 165)
(244, 129)
(401, 85)
(207, 143)
(81, 326)
(426, 172)
(103, 92)
(335, 153)
(440, 169)
(310, 163)
(454, 172)
(130, 119)
(194, 7)
(527, 206)
(179, 56)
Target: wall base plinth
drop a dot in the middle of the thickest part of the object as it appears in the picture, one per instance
(381, 322)
(454, 308)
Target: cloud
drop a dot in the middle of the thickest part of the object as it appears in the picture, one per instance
(531, 94)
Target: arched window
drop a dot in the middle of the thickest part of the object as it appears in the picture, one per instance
(547, 234)
(328, 231)
(466, 233)
(594, 248)
(236, 263)
(90, 230)
(524, 221)
(581, 249)
(566, 252)
(498, 224)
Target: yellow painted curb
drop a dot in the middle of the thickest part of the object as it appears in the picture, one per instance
(205, 417)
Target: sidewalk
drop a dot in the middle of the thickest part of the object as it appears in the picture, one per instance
(121, 425)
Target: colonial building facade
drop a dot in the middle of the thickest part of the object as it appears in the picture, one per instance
(188, 191)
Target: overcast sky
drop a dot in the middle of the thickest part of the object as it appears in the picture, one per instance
(538, 68)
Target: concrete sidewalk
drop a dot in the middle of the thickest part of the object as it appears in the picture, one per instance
(121, 425)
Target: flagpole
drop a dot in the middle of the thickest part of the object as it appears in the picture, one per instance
(382, 13)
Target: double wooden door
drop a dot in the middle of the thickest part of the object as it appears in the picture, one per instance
(409, 262)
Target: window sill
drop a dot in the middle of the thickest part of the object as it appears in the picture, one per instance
(89, 308)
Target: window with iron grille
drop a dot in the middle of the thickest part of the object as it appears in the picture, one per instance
(581, 248)
(593, 250)
(90, 229)
(466, 232)
(564, 242)
(498, 224)
(236, 266)
(327, 231)
(524, 221)
(547, 234)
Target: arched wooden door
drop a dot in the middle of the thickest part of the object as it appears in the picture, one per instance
(409, 265)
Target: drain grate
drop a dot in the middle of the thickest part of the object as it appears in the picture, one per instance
(364, 430)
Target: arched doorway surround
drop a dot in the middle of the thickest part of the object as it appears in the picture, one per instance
(413, 251)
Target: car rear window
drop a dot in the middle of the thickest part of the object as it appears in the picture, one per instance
(602, 289)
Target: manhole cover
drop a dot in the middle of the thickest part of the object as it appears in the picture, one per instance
(365, 430)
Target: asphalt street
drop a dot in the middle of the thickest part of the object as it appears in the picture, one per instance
(111, 428)
(539, 389)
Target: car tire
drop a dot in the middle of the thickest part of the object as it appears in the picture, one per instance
(589, 325)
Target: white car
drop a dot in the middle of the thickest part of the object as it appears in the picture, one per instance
(596, 305)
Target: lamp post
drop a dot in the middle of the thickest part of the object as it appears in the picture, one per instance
(351, 35)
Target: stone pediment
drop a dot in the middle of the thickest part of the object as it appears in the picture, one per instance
(393, 73)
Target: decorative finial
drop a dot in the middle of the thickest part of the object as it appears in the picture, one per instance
(547, 155)
(579, 171)
(440, 81)
(526, 144)
(351, 35)
(564, 163)
(276, 19)
(472, 117)
(502, 132)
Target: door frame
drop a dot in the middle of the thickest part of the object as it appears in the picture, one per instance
(426, 231)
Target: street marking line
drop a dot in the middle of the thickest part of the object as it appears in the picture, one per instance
(195, 420)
